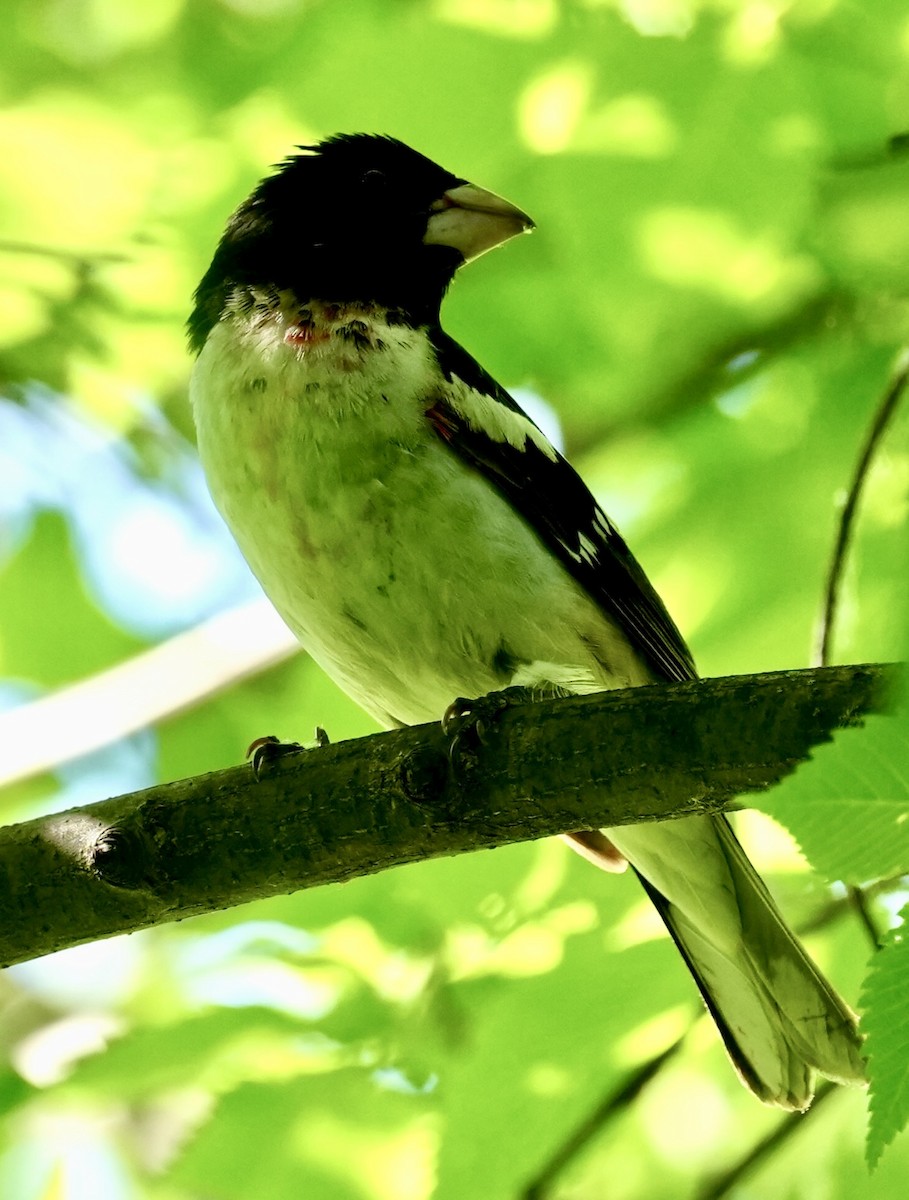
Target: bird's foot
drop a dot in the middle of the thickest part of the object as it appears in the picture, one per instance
(466, 722)
(265, 751)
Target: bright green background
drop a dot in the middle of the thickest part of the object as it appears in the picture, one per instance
(712, 304)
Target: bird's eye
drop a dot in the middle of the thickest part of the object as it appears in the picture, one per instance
(373, 179)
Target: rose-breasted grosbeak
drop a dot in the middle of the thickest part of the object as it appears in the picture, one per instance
(424, 540)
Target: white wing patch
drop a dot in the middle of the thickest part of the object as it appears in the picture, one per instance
(496, 420)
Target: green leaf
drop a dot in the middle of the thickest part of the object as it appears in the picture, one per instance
(886, 1005)
(848, 808)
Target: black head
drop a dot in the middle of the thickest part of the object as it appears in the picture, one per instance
(357, 218)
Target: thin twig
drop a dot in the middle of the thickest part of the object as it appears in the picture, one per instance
(723, 1184)
(835, 906)
(882, 418)
(612, 1106)
(859, 902)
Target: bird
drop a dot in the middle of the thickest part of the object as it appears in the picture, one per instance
(425, 540)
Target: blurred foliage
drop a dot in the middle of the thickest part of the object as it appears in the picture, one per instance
(711, 305)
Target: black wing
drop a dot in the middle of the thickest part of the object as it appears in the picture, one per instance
(554, 500)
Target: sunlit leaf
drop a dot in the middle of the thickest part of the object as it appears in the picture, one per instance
(848, 808)
(886, 1022)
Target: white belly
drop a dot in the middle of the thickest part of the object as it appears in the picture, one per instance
(403, 572)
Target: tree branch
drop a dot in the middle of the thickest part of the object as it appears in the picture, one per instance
(350, 809)
(880, 422)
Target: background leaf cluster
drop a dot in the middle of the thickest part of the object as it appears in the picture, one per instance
(709, 312)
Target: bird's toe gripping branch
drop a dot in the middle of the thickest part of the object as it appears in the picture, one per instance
(466, 722)
(264, 752)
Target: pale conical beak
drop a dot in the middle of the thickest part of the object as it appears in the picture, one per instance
(472, 221)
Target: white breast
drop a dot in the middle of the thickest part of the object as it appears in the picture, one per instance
(402, 571)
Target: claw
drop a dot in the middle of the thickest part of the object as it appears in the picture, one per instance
(258, 744)
(454, 715)
(265, 751)
(465, 719)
